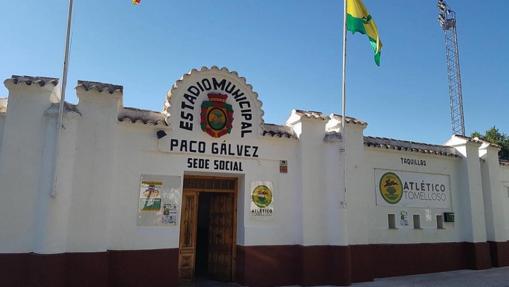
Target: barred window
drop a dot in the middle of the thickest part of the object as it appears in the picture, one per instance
(392, 221)
(417, 221)
(440, 222)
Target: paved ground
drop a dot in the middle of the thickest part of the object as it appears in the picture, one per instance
(495, 277)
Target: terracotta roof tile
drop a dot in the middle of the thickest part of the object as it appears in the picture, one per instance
(350, 120)
(278, 131)
(29, 80)
(145, 116)
(401, 145)
(100, 87)
(311, 114)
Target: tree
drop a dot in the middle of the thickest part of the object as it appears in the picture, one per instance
(493, 135)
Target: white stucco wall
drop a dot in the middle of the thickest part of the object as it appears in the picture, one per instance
(378, 225)
(22, 165)
(103, 159)
(54, 212)
(2, 124)
(137, 153)
(504, 180)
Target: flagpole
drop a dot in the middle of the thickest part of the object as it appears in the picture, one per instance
(343, 89)
(62, 99)
(343, 99)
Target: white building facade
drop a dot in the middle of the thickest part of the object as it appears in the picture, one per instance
(206, 188)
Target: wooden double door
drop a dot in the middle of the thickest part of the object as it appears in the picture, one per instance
(207, 229)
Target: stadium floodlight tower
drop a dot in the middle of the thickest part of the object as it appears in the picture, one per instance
(447, 20)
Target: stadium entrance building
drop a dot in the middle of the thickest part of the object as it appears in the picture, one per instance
(207, 189)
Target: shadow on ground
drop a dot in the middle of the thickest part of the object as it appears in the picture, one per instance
(494, 277)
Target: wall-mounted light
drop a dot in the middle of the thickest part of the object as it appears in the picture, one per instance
(160, 134)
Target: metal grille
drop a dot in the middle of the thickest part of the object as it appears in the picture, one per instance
(207, 183)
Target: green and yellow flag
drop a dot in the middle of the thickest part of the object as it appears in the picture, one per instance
(359, 20)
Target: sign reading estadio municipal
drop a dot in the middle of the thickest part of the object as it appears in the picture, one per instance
(214, 112)
(411, 189)
(214, 103)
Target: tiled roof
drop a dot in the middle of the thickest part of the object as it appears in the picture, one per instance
(68, 107)
(311, 114)
(134, 115)
(146, 117)
(100, 87)
(394, 144)
(350, 120)
(28, 80)
(474, 140)
(333, 137)
(469, 138)
(477, 140)
(71, 108)
(278, 131)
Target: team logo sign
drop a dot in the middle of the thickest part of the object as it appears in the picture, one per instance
(262, 199)
(262, 196)
(391, 187)
(216, 115)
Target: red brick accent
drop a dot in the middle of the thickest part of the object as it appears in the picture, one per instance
(256, 266)
(101, 269)
(499, 253)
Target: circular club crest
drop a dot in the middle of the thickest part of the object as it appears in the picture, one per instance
(391, 188)
(216, 119)
(216, 115)
(262, 196)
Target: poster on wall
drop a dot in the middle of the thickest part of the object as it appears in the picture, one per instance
(159, 200)
(412, 189)
(427, 215)
(403, 218)
(150, 195)
(262, 199)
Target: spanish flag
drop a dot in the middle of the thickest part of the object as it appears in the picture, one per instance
(359, 20)
(136, 2)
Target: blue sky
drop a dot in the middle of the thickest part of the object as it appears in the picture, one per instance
(289, 50)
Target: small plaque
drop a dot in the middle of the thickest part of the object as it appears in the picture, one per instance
(283, 166)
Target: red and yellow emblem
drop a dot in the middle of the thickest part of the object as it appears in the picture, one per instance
(216, 115)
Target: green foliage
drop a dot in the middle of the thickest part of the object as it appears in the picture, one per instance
(493, 135)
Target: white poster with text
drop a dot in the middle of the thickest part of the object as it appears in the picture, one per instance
(412, 189)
